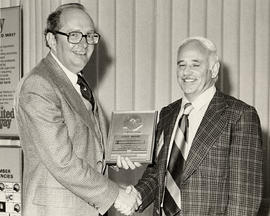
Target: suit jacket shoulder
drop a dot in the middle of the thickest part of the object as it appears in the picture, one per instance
(47, 70)
(171, 108)
(234, 107)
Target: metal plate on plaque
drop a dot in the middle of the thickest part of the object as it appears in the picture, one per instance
(132, 135)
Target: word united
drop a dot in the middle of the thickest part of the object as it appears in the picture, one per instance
(6, 117)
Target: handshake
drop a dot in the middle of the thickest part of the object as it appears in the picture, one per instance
(128, 200)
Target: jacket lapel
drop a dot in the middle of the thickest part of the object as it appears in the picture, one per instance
(168, 122)
(209, 130)
(69, 92)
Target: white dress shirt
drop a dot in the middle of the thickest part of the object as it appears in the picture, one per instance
(73, 79)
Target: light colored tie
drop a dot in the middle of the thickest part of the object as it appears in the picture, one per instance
(172, 196)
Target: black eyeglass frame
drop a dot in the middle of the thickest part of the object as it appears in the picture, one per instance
(83, 35)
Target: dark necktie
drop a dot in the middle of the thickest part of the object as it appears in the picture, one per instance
(172, 196)
(86, 91)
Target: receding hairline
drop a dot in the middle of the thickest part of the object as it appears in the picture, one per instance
(70, 5)
(203, 42)
(66, 8)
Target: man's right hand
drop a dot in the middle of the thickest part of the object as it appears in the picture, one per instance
(128, 200)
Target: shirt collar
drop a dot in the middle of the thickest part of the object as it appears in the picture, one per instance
(72, 76)
(202, 99)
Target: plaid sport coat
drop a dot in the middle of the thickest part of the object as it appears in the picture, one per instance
(223, 172)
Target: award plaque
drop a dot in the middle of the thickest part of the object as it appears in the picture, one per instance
(132, 135)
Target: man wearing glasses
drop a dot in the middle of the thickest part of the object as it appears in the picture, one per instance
(62, 127)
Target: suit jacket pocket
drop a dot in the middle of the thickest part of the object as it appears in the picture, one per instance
(215, 164)
(57, 197)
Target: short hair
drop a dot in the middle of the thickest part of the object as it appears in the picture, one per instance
(206, 43)
(54, 21)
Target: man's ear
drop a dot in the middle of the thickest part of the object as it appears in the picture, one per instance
(51, 40)
(215, 70)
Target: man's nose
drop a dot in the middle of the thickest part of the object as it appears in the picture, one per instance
(186, 70)
(84, 41)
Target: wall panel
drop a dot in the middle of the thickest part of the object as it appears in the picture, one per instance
(144, 61)
(247, 50)
(197, 17)
(124, 55)
(39, 38)
(106, 70)
(6, 3)
(179, 31)
(45, 5)
(32, 36)
(162, 53)
(54, 4)
(14, 2)
(214, 30)
(134, 66)
(231, 42)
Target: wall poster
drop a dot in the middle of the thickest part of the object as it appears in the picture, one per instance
(10, 67)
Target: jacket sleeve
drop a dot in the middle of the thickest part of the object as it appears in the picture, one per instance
(148, 185)
(245, 180)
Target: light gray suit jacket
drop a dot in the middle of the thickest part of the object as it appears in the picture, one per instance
(63, 145)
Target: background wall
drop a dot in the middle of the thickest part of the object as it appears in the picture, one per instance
(133, 68)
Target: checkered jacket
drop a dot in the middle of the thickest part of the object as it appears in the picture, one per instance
(223, 171)
(63, 145)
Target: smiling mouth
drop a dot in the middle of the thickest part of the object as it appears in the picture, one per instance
(79, 53)
(188, 80)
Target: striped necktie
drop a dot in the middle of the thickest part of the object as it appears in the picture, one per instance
(172, 196)
(86, 91)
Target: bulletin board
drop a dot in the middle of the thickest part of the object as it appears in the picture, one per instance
(10, 67)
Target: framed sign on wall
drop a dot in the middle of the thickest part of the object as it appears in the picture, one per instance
(10, 67)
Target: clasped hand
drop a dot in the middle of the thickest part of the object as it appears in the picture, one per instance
(128, 200)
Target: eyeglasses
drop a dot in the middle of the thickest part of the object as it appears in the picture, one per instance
(75, 37)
